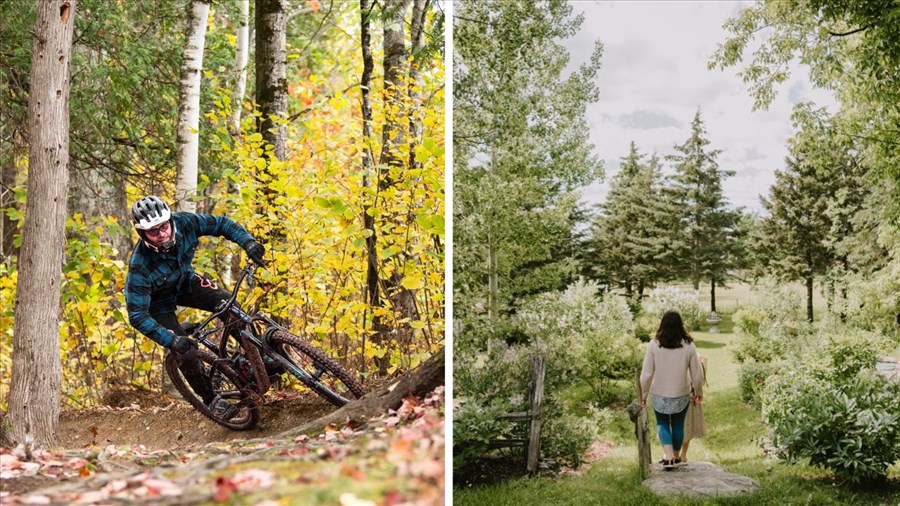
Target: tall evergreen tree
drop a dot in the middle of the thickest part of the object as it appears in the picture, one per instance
(637, 235)
(521, 149)
(793, 236)
(709, 250)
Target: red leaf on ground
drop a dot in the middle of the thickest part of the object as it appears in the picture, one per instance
(224, 488)
(393, 498)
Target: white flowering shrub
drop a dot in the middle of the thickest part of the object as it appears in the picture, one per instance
(673, 298)
(585, 339)
(588, 339)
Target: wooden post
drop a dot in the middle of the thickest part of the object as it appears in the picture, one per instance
(642, 430)
(534, 434)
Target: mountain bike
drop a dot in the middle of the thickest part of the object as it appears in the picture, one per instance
(252, 353)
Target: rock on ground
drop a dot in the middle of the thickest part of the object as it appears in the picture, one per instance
(697, 479)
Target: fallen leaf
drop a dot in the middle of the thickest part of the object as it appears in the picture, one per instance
(36, 499)
(348, 499)
(254, 479)
(224, 488)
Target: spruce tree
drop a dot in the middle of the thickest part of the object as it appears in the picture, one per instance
(710, 250)
(635, 237)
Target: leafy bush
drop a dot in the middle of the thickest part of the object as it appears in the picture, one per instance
(568, 436)
(587, 339)
(584, 339)
(671, 298)
(748, 320)
(752, 379)
(873, 302)
(839, 417)
(487, 384)
(771, 326)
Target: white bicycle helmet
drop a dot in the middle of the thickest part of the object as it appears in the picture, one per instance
(149, 212)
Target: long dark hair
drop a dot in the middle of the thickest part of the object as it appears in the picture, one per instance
(671, 333)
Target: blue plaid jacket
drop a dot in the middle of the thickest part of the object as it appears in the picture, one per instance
(155, 279)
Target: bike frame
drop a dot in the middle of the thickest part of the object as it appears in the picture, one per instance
(247, 331)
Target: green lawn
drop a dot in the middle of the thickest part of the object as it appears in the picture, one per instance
(731, 443)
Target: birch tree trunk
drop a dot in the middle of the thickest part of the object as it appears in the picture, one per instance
(240, 65)
(189, 106)
(36, 368)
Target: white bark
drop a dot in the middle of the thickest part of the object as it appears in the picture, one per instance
(240, 64)
(36, 368)
(189, 107)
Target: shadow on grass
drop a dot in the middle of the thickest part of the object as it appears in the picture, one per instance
(699, 343)
(490, 470)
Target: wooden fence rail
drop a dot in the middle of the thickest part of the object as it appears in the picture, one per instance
(532, 416)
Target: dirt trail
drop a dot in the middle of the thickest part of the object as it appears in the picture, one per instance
(177, 424)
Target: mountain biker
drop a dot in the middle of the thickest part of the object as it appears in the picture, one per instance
(160, 276)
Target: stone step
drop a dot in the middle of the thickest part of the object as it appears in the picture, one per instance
(697, 479)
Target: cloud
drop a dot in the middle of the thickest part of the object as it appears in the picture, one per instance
(798, 93)
(753, 153)
(648, 120)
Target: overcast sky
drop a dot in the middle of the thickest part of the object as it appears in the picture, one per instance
(654, 78)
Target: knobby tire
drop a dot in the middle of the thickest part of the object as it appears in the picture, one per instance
(282, 341)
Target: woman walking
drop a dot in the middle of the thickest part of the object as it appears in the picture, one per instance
(669, 357)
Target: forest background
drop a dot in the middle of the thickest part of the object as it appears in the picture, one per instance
(334, 163)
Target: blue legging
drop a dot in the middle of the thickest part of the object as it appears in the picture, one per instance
(670, 428)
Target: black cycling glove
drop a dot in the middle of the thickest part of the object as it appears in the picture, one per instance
(255, 251)
(182, 345)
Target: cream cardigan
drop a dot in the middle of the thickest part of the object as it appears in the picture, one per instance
(664, 371)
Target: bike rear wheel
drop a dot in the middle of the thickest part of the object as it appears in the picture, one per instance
(329, 379)
(227, 384)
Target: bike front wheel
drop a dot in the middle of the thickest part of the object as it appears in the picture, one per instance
(323, 374)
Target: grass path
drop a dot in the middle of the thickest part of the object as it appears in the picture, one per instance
(734, 429)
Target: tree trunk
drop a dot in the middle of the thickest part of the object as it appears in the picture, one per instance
(240, 65)
(417, 28)
(36, 368)
(271, 68)
(628, 290)
(189, 106)
(809, 286)
(712, 295)
(271, 96)
(370, 179)
(809, 298)
(493, 282)
(394, 65)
